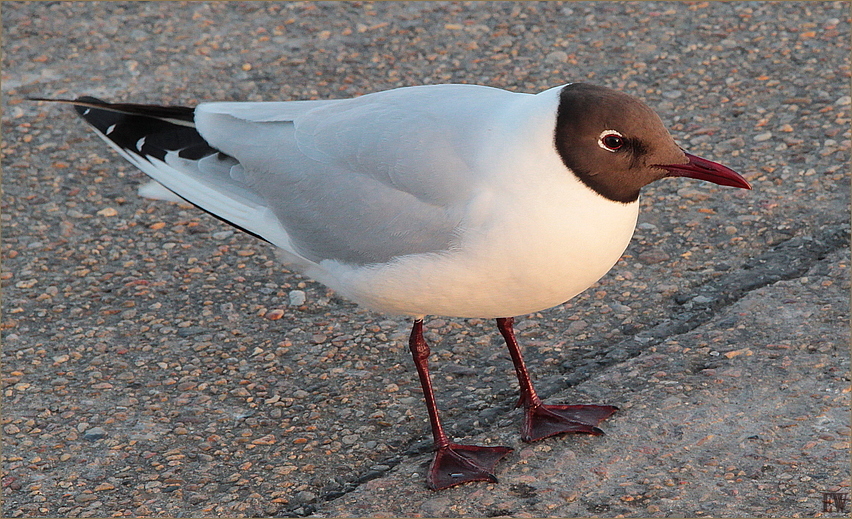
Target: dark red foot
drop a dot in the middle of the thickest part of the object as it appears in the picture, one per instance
(542, 420)
(457, 464)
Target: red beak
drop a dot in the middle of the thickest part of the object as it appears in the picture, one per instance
(704, 169)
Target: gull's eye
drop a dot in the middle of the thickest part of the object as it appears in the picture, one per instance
(611, 140)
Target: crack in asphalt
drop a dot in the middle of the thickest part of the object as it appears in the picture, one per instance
(789, 259)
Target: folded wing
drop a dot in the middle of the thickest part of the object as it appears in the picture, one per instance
(362, 180)
(359, 181)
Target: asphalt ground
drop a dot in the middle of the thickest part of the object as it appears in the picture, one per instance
(156, 363)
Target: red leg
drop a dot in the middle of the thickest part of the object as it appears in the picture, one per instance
(453, 464)
(540, 420)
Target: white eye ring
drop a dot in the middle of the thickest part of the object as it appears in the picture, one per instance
(610, 133)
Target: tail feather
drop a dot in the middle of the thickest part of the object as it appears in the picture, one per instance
(162, 141)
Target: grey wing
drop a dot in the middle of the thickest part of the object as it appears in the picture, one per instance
(362, 180)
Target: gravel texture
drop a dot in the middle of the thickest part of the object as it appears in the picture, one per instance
(157, 363)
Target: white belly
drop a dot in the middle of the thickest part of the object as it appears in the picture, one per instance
(514, 257)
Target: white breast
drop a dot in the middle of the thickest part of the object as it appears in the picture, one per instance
(524, 248)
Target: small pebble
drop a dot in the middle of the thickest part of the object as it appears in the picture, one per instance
(653, 256)
(94, 434)
(297, 297)
(557, 56)
(222, 235)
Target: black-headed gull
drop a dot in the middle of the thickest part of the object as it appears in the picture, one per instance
(452, 200)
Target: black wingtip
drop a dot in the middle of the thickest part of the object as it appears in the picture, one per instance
(184, 114)
(80, 100)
